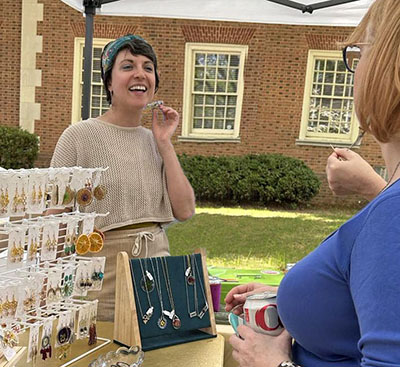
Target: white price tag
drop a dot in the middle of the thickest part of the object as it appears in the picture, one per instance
(8, 352)
(88, 225)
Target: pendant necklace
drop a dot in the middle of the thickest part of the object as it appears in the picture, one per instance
(145, 317)
(147, 282)
(189, 276)
(205, 308)
(176, 321)
(162, 321)
(196, 301)
(191, 313)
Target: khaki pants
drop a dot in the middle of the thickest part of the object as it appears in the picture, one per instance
(141, 242)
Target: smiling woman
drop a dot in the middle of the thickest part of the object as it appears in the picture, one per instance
(146, 186)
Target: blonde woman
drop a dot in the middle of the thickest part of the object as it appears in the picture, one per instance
(340, 303)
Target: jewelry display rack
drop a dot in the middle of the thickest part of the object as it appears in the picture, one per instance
(40, 248)
(163, 301)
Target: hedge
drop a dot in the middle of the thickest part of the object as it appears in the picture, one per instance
(18, 148)
(260, 179)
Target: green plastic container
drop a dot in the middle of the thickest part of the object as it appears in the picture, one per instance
(233, 277)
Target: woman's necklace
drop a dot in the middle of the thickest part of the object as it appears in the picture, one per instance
(391, 177)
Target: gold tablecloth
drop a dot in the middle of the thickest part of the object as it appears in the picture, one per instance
(202, 353)
(226, 331)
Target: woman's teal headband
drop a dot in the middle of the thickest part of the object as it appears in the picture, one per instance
(111, 50)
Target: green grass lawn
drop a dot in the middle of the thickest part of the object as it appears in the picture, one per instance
(254, 238)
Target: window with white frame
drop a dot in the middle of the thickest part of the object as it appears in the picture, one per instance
(328, 108)
(98, 98)
(213, 91)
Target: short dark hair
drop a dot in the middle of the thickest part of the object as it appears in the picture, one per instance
(136, 46)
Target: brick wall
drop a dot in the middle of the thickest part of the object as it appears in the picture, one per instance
(10, 43)
(274, 78)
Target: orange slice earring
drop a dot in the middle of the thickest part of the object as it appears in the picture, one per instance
(96, 242)
(82, 244)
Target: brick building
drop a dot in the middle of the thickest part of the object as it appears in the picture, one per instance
(240, 87)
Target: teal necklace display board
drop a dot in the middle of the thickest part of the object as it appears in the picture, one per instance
(162, 301)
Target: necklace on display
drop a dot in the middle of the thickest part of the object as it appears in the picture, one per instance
(147, 281)
(162, 321)
(145, 317)
(196, 301)
(189, 276)
(205, 308)
(176, 321)
(191, 313)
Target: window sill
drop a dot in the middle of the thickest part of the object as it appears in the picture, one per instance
(197, 139)
(336, 144)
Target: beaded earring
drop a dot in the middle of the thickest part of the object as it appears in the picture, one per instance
(68, 286)
(45, 349)
(33, 195)
(4, 201)
(92, 333)
(33, 250)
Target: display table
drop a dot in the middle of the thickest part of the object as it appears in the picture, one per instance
(226, 332)
(203, 353)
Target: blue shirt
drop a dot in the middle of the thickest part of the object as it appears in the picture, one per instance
(341, 303)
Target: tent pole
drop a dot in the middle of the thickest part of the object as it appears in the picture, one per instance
(90, 11)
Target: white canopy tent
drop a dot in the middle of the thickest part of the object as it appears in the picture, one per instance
(253, 11)
(349, 13)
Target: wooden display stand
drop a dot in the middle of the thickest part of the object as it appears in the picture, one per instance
(126, 325)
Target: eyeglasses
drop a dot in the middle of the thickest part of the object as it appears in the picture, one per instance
(352, 55)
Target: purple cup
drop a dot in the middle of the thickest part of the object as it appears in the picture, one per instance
(215, 286)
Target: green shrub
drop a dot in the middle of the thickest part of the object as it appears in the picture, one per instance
(18, 148)
(260, 179)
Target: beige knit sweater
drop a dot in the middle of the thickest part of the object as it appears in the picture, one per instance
(135, 180)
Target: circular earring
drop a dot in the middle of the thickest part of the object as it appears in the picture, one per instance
(84, 196)
(100, 192)
(64, 335)
(68, 196)
(82, 245)
(96, 242)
